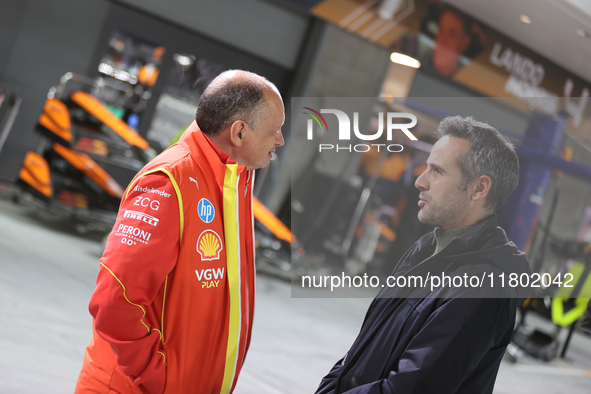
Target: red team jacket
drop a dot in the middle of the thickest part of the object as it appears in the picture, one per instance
(173, 304)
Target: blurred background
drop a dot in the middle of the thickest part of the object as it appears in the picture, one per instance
(91, 90)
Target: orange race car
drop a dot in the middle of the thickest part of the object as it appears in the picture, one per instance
(85, 159)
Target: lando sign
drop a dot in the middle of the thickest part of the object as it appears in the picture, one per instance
(388, 122)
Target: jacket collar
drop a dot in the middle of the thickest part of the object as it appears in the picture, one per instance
(422, 253)
(475, 234)
(468, 239)
(199, 144)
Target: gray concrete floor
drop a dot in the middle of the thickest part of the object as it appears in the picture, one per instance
(47, 274)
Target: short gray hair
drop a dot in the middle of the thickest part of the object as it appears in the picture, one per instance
(490, 154)
(229, 98)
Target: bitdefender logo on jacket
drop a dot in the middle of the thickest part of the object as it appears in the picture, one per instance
(386, 121)
(141, 189)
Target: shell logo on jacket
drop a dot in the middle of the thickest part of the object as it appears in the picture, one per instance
(209, 245)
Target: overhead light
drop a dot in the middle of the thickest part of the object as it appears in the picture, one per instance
(405, 60)
(582, 33)
(183, 59)
(525, 19)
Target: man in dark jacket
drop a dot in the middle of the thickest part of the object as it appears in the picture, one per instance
(446, 337)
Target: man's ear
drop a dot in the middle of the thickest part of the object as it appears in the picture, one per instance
(237, 130)
(481, 186)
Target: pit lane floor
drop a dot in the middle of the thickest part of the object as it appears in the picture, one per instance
(47, 274)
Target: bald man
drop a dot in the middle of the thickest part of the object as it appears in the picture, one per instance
(173, 305)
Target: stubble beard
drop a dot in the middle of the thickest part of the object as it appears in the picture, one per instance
(442, 213)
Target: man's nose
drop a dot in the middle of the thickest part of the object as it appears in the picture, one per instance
(420, 183)
(279, 139)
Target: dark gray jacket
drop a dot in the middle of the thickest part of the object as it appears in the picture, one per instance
(449, 340)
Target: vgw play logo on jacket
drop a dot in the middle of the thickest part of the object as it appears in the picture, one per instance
(210, 277)
(386, 122)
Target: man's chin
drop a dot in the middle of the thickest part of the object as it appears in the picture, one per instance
(420, 216)
(423, 218)
(258, 166)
